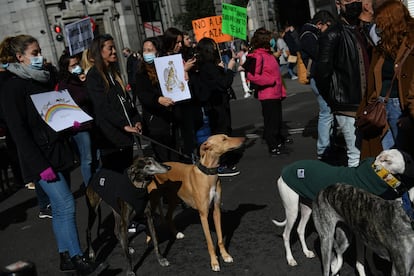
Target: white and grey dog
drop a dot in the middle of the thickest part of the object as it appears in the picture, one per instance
(304, 179)
(384, 226)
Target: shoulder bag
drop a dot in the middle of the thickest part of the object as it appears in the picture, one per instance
(373, 118)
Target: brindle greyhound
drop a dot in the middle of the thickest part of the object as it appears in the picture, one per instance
(139, 175)
(384, 226)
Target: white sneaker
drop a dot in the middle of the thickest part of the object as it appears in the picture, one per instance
(294, 77)
(246, 95)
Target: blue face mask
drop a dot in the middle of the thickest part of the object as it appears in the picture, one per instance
(149, 58)
(4, 65)
(36, 62)
(77, 70)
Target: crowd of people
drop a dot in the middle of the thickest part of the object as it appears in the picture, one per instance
(353, 59)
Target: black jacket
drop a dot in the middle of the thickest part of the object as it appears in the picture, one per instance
(210, 84)
(157, 118)
(108, 112)
(342, 67)
(309, 45)
(38, 145)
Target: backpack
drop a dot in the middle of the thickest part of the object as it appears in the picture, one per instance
(303, 72)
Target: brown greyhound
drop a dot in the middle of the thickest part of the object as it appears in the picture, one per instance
(198, 186)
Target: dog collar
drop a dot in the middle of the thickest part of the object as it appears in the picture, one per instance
(205, 170)
(408, 208)
(386, 176)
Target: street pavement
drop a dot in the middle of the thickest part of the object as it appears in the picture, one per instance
(250, 201)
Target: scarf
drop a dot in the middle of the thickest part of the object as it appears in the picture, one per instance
(25, 72)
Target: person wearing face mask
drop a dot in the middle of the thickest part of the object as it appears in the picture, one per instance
(187, 113)
(116, 119)
(157, 112)
(395, 27)
(71, 77)
(45, 155)
(309, 49)
(341, 72)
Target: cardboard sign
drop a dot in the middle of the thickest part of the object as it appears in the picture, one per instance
(170, 72)
(210, 27)
(79, 35)
(234, 20)
(58, 109)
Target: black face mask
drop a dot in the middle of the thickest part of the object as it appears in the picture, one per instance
(353, 10)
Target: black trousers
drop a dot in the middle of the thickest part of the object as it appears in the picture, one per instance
(272, 118)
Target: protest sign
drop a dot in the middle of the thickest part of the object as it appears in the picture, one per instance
(234, 20)
(170, 72)
(58, 109)
(79, 35)
(210, 27)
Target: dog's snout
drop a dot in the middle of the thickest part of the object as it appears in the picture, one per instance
(166, 166)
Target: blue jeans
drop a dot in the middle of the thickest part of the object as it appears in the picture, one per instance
(325, 121)
(42, 198)
(346, 125)
(83, 142)
(393, 114)
(289, 67)
(63, 212)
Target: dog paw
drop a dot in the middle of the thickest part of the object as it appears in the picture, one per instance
(228, 259)
(131, 250)
(164, 262)
(215, 267)
(179, 236)
(309, 254)
(292, 262)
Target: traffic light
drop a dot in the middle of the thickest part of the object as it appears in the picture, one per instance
(58, 30)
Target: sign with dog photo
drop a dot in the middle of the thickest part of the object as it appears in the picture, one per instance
(170, 72)
(58, 109)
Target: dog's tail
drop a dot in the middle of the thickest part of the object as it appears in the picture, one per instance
(279, 223)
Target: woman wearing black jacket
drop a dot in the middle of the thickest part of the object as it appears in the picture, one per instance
(211, 83)
(43, 153)
(156, 109)
(116, 116)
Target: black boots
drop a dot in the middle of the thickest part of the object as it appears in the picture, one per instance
(65, 262)
(78, 263)
(82, 265)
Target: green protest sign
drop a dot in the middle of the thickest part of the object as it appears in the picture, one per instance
(234, 20)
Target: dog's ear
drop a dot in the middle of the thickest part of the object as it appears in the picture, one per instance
(204, 147)
(135, 171)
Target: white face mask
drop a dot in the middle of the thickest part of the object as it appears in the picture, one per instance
(77, 70)
(36, 62)
(149, 57)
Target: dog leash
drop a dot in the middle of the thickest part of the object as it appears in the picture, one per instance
(408, 208)
(140, 135)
